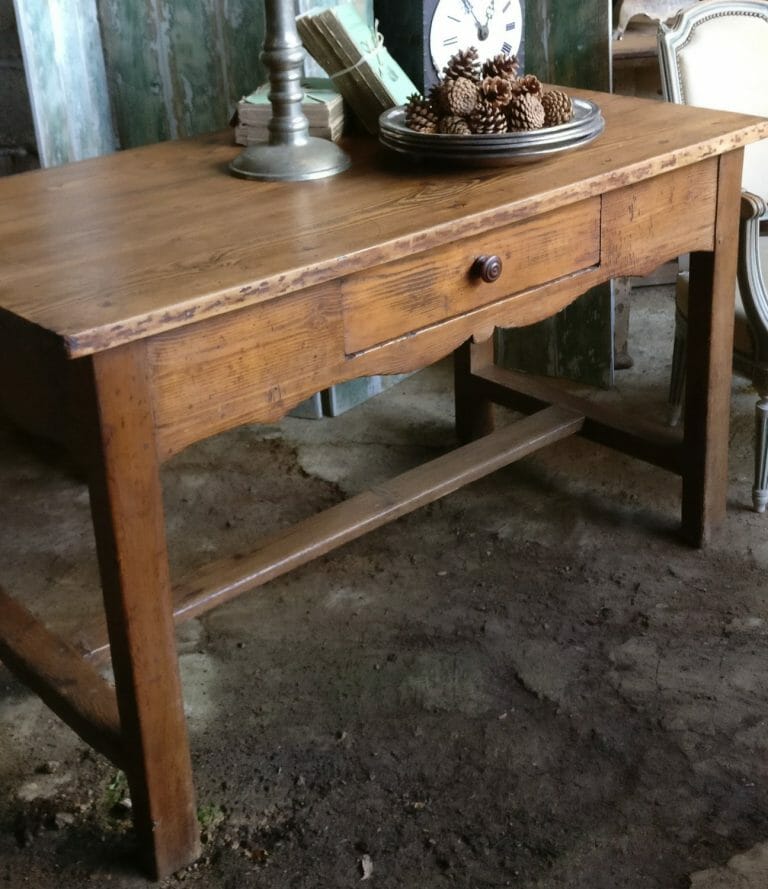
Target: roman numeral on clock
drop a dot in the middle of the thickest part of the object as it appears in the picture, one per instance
(450, 41)
(506, 48)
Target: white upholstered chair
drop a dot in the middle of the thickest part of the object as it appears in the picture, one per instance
(715, 54)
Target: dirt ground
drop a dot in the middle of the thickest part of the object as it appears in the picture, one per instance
(531, 683)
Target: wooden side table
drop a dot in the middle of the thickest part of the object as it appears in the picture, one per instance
(149, 300)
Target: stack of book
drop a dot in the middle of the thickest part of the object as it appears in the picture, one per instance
(355, 58)
(322, 104)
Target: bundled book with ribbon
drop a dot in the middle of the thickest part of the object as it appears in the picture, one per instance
(355, 58)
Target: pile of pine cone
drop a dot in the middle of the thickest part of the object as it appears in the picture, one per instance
(487, 98)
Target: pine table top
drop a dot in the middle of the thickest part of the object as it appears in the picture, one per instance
(124, 246)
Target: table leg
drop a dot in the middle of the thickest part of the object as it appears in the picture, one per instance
(127, 509)
(709, 364)
(474, 412)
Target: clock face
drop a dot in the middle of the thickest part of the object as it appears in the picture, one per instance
(491, 26)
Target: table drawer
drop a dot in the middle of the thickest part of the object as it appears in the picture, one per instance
(406, 295)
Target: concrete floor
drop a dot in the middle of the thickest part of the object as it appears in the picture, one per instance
(531, 683)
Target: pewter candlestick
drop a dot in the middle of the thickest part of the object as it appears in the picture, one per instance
(290, 153)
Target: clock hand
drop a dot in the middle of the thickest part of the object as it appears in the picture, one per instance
(489, 14)
(470, 9)
(482, 29)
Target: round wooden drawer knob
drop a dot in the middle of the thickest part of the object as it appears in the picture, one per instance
(487, 268)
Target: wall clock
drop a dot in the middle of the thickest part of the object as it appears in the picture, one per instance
(421, 35)
(492, 26)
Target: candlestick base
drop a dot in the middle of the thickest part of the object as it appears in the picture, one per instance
(313, 159)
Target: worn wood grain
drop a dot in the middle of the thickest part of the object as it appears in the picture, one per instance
(407, 294)
(709, 369)
(126, 502)
(119, 248)
(645, 224)
(214, 375)
(256, 364)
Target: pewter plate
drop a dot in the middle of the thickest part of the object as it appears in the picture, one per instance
(493, 148)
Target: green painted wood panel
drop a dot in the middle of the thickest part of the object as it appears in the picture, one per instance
(177, 67)
(64, 66)
(568, 42)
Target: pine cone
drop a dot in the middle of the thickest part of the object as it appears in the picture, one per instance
(419, 115)
(527, 84)
(487, 118)
(501, 65)
(464, 63)
(496, 90)
(558, 108)
(525, 112)
(453, 124)
(460, 96)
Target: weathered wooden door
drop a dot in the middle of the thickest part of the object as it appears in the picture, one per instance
(175, 67)
(66, 80)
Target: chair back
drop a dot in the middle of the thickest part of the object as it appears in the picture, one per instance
(714, 54)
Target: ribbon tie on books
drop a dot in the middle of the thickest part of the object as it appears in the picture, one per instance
(371, 50)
